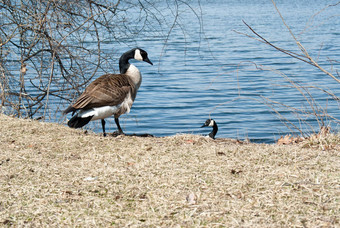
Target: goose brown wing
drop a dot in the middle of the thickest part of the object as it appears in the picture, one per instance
(109, 89)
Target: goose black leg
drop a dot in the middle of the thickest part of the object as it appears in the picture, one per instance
(120, 131)
(103, 126)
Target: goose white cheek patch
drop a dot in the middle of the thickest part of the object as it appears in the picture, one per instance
(138, 56)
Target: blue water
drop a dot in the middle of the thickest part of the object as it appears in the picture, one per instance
(210, 71)
(206, 69)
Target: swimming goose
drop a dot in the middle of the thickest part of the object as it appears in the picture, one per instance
(110, 94)
(211, 123)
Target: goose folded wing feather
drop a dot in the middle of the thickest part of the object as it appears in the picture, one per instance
(105, 91)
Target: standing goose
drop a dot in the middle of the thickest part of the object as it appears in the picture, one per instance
(110, 94)
(211, 123)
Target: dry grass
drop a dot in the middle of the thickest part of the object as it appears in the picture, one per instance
(51, 175)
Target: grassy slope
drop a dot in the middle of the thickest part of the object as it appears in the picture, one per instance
(53, 175)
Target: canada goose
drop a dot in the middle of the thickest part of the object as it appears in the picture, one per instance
(110, 94)
(211, 123)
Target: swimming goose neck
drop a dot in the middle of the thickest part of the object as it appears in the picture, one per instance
(214, 131)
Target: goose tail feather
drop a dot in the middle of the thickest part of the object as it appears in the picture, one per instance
(78, 122)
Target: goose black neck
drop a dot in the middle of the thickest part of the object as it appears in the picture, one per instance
(124, 61)
(214, 131)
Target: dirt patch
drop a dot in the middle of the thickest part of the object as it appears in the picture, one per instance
(51, 175)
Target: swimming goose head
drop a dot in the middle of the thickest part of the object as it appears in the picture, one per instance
(211, 123)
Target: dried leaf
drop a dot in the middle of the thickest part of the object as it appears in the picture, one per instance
(286, 140)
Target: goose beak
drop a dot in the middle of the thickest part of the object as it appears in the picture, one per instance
(203, 125)
(147, 60)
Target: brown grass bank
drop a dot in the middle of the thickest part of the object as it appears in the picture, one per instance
(51, 175)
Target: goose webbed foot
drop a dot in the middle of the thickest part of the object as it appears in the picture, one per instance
(117, 133)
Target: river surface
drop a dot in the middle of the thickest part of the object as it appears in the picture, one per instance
(207, 69)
